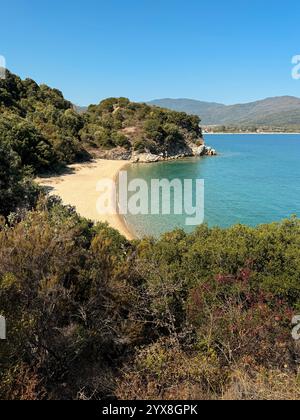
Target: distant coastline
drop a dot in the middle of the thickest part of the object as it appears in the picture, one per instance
(280, 113)
(252, 133)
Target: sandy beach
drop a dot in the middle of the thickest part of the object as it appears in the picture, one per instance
(77, 188)
(253, 133)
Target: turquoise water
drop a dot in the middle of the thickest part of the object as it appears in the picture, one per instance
(255, 179)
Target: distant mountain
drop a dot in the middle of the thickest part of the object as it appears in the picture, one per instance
(279, 111)
(80, 109)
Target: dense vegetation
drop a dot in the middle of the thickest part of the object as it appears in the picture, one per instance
(41, 131)
(91, 315)
(38, 124)
(45, 130)
(121, 123)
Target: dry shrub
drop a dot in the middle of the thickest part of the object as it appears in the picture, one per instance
(21, 383)
(263, 385)
(165, 371)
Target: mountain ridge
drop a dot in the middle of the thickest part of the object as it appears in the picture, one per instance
(272, 111)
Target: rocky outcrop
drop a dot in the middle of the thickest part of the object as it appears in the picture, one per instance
(209, 151)
(118, 153)
(188, 149)
(146, 158)
(203, 150)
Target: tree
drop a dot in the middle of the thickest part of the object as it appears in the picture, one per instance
(16, 188)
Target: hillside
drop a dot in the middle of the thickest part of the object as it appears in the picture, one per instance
(38, 124)
(45, 130)
(279, 111)
(121, 129)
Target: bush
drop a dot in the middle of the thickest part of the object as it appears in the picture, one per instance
(16, 187)
(202, 316)
(62, 292)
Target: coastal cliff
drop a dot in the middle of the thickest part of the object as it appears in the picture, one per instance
(189, 150)
(140, 133)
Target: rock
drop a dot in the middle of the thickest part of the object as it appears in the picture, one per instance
(178, 151)
(146, 158)
(119, 153)
(210, 151)
(198, 150)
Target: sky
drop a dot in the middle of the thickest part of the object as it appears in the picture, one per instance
(227, 51)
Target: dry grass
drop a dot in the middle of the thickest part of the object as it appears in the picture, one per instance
(263, 385)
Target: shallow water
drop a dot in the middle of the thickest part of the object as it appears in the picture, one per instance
(255, 179)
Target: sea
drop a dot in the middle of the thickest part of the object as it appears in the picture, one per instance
(254, 179)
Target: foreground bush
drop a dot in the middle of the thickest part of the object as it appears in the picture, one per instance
(62, 285)
(91, 315)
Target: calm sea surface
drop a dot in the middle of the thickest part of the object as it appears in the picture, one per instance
(255, 179)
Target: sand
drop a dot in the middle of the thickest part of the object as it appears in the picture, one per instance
(252, 133)
(77, 187)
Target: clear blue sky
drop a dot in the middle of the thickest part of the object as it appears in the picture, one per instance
(216, 50)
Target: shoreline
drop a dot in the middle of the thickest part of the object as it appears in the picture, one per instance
(247, 134)
(128, 233)
(77, 187)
